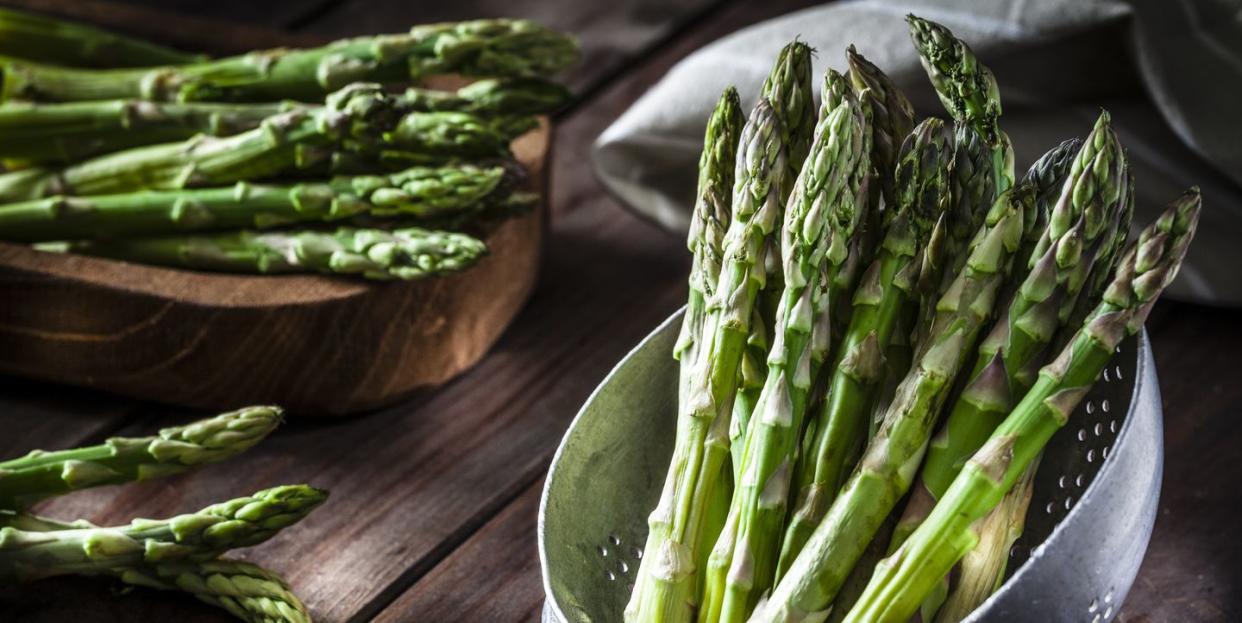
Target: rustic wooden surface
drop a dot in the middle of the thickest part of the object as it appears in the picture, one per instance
(185, 337)
(433, 508)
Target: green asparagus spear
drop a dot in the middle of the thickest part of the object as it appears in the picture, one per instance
(892, 120)
(407, 253)
(887, 294)
(50, 40)
(42, 474)
(419, 192)
(1048, 176)
(820, 220)
(886, 468)
(291, 140)
(665, 582)
(967, 89)
(788, 89)
(248, 592)
(203, 535)
(901, 581)
(493, 47)
(505, 96)
(35, 133)
(1084, 219)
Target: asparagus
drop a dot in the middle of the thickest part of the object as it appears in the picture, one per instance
(788, 89)
(822, 214)
(708, 223)
(419, 192)
(983, 567)
(291, 140)
(885, 471)
(491, 47)
(887, 294)
(42, 474)
(665, 582)
(248, 592)
(892, 120)
(967, 89)
(242, 522)
(408, 253)
(1148, 266)
(33, 133)
(50, 40)
(1047, 175)
(493, 111)
(1084, 219)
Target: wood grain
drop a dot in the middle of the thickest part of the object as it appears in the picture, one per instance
(502, 555)
(313, 344)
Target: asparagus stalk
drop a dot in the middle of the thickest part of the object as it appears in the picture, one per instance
(901, 581)
(892, 120)
(33, 133)
(492, 47)
(408, 253)
(788, 89)
(50, 40)
(886, 468)
(43, 474)
(665, 582)
(242, 522)
(418, 192)
(1084, 219)
(967, 89)
(291, 140)
(248, 592)
(823, 212)
(1047, 175)
(887, 294)
(489, 97)
(983, 567)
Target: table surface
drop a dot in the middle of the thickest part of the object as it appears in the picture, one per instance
(432, 515)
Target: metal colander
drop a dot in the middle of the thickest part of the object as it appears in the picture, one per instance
(1090, 518)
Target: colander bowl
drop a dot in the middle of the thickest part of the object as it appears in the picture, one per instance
(1088, 526)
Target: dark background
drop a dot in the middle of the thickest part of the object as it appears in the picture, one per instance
(432, 516)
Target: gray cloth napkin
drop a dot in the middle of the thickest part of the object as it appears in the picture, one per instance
(1170, 72)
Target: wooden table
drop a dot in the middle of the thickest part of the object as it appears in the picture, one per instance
(432, 515)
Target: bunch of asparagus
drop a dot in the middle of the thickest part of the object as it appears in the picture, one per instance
(181, 553)
(865, 264)
(237, 164)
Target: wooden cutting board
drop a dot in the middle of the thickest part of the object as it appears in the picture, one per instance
(314, 345)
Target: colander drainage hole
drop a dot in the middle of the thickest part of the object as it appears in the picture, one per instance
(614, 539)
(612, 577)
(638, 553)
(624, 568)
(603, 551)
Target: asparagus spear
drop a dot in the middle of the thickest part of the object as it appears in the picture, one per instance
(788, 89)
(708, 223)
(820, 220)
(1047, 175)
(295, 139)
(248, 592)
(666, 577)
(892, 120)
(42, 474)
(1148, 266)
(419, 192)
(886, 468)
(408, 253)
(888, 292)
(492, 47)
(50, 40)
(35, 132)
(1084, 220)
(967, 89)
(242, 522)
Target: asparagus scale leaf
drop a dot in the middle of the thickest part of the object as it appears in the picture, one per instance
(43, 474)
(248, 592)
(903, 580)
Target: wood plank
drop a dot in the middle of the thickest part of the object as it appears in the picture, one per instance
(611, 33)
(46, 416)
(492, 577)
(1192, 565)
(270, 13)
(197, 34)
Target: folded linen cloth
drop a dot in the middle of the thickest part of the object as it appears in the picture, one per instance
(1169, 72)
